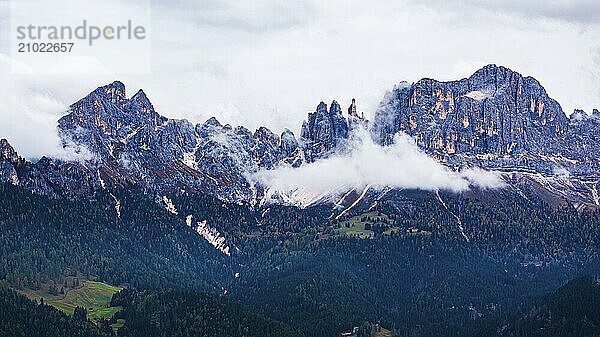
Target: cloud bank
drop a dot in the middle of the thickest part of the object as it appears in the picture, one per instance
(401, 165)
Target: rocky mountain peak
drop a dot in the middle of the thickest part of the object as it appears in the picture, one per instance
(354, 120)
(7, 152)
(211, 125)
(213, 122)
(496, 113)
(352, 109)
(114, 91)
(335, 110)
(105, 116)
(492, 75)
(321, 107)
(324, 130)
(266, 134)
(288, 144)
(496, 110)
(287, 133)
(578, 115)
(140, 103)
(8, 159)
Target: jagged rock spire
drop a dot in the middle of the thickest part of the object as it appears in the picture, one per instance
(352, 109)
(8, 159)
(7, 152)
(354, 119)
(324, 129)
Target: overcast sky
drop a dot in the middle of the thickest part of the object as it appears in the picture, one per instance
(270, 62)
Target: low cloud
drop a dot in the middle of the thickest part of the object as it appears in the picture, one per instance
(401, 165)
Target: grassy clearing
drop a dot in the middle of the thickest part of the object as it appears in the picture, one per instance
(357, 230)
(363, 226)
(93, 296)
(360, 225)
(393, 230)
(103, 313)
(376, 331)
(416, 231)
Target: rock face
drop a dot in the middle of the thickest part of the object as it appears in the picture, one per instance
(582, 142)
(495, 110)
(496, 118)
(8, 160)
(293, 154)
(324, 131)
(354, 119)
(48, 176)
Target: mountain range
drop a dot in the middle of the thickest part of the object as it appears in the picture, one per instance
(496, 119)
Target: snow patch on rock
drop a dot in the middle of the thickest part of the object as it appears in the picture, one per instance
(478, 95)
